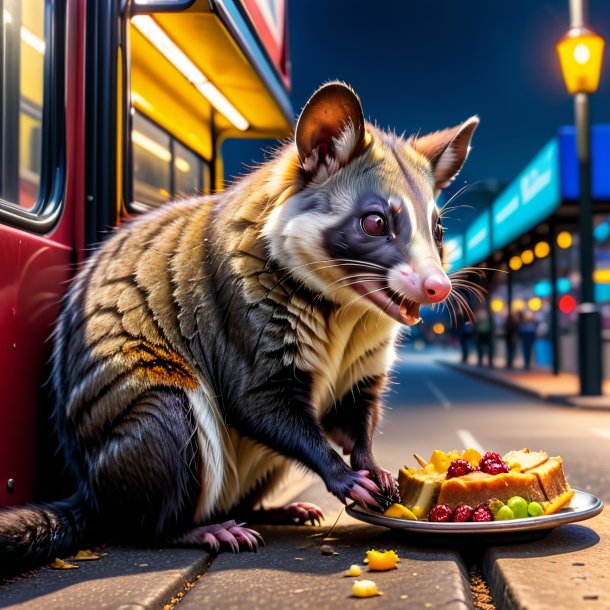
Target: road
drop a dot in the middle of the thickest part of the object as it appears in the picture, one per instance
(432, 406)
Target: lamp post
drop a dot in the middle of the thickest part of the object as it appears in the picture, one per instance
(580, 54)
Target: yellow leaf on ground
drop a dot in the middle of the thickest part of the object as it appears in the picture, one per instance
(58, 564)
(86, 555)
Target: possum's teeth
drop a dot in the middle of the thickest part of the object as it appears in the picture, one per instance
(409, 312)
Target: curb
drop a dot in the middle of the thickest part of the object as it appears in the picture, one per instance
(571, 402)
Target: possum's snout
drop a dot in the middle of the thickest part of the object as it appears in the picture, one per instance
(437, 287)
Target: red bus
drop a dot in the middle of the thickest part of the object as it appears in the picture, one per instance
(109, 108)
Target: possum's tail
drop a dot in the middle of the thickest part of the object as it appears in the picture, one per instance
(34, 534)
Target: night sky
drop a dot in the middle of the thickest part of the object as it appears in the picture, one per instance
(425, 65)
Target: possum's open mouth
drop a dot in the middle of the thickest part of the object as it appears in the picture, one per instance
(402, 310)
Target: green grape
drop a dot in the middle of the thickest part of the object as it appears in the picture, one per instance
(519, 507)
(504, 514)
(534, 509)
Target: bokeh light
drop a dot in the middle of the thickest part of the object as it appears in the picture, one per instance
(535, 304)
(438, 328)
(515, 263)
(542, 249)
(563, 285)
(567, 303)
(518, 305)
(564, 240)
(497, 305)
(527, 256)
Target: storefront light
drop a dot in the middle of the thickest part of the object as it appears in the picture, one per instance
(527, 256)
(564, 240)
(535, 304)
(542, 249)
(515, 263)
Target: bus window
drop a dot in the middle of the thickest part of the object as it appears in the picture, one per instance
(187, 172)
(151, 164)
(23, 50)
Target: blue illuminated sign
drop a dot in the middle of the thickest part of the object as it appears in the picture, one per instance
(600, 162)
(477, 245)
(529, 199)
(454, 253)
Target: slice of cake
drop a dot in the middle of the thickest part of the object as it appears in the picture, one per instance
(464, 479)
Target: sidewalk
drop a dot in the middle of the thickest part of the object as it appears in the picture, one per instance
(540, 383)
(563, 571)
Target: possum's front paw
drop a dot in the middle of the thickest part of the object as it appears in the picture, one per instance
(359, 487)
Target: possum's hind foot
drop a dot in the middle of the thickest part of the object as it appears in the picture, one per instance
(295, 512)
(211, 536)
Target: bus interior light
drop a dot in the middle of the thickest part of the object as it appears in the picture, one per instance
(33, 41)
(222, 104)
(149, 28)
(149, 145)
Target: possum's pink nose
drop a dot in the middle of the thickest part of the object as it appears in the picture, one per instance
(437, 286)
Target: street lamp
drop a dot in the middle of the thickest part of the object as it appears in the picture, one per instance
(580, 54)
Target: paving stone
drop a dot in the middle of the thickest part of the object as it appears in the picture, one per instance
(291, 572)
(566, 570)
(125, 579)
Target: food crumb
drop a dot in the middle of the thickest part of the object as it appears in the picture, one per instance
(355, 570)
(365, 588)
(404, 597)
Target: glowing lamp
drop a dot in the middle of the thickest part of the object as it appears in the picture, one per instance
(567, 304)
(580, 55)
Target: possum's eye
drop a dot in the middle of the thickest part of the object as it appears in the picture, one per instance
(374, 224)
(438, 234)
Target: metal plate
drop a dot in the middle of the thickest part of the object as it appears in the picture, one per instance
(583, 506)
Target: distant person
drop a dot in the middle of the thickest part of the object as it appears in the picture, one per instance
(483, 336)
(465, 332)
(527, 336)
(511, 333)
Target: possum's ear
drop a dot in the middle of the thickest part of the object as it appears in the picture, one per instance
(447, 150)
(330, 130)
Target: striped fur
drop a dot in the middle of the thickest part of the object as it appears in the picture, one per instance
(228, 327)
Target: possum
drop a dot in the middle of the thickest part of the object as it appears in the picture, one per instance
(208, 344)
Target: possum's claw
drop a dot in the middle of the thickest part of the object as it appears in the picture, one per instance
(233, 534)
(363, 489)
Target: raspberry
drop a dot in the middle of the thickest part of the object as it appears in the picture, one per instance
(463, 512)
(482, 513)
(491, 467)
(440, 512)
(492, 463)
(459, 468)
